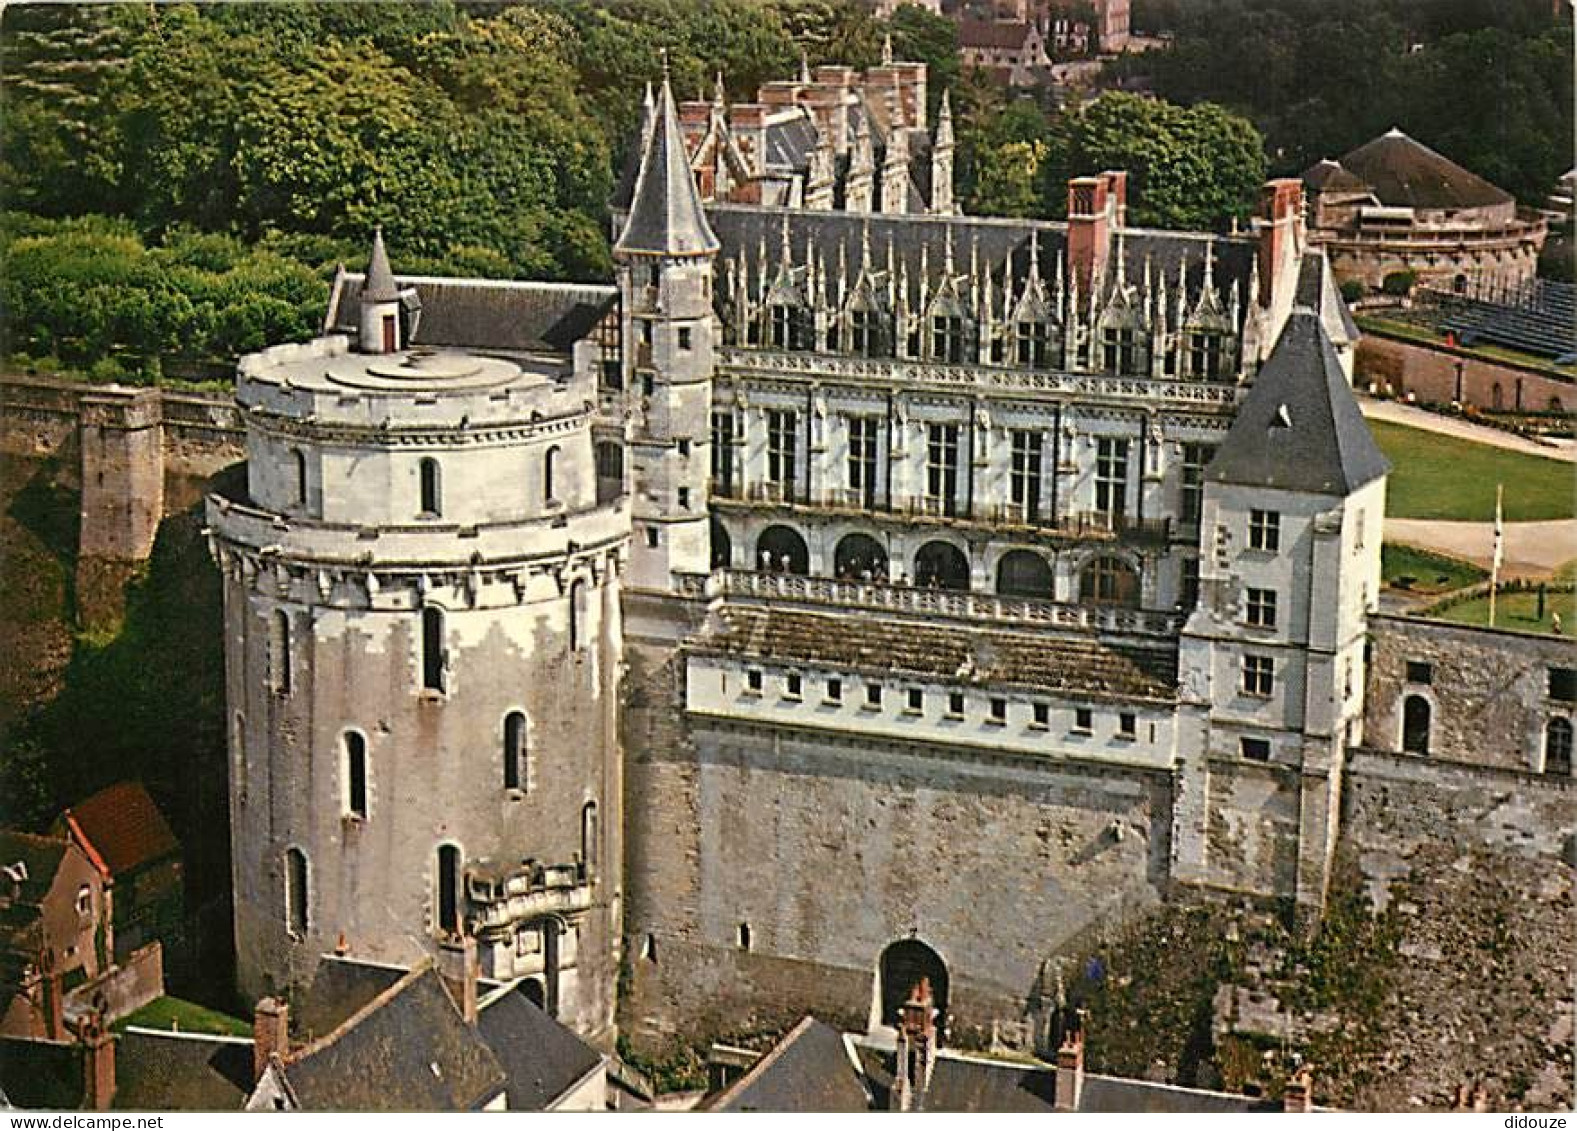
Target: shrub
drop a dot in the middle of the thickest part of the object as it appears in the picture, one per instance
(1353, 290)
(1399, 283)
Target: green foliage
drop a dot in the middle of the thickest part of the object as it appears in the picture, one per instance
(1353, 290)
(1190, 168)
(1422, 571)
(1399, 283)
(1319, 77)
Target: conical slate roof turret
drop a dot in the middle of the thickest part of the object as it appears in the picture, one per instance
(665, 213)
(380, 285)
(1299, 428)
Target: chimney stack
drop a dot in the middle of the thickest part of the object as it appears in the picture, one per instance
(466, 965)
(270, 1033)
(54, 996)
(1070, 1066)
(1096, 206)
(1280, 234)
(916, 1052)
(1298, 1095)
(98, 1063)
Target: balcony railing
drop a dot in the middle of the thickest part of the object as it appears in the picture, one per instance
(499, 903)
(753, 585)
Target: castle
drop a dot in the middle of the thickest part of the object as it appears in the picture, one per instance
(846, 596)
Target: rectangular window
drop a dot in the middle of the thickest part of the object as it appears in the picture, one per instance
(1205, 354)
(1255, 749)
(1188, 589)
(1119, 351)
(782, 326)
(723, 454)
(862, 457)
(1259, 676)
(1563, 684)
(1264, 530)
(862, 333)
(782, 449)
(1127, 726)
(947, 338)
(1041, 716)
(1024, 473)
(1261, 608)
(999, 710)
(941, 467)
(753, 682)
(653, 537)
(916, 700)
(1195, 457)
(792, 686)
(1419, 672)
(1083, 720)
(1032, 340)
(835, 691)
(873, 695)
(684, 338)
(955, 705)
(1111, 477)
(684, 498)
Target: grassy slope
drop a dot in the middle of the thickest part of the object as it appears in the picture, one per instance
(1422, 571)
(1443, 477)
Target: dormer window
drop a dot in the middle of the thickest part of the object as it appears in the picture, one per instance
(947, 338)
(1032, 344)
(862, 333)
(1206, 354)
(1119, 350)
(780, 325)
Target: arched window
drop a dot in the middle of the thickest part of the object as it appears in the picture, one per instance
(781, 549)
(743, 936)
(1415, 724)
(549, 468)
(589, 835)
(296, 917)
(1558, 746)
(1024, 573)
(941, 565)
(722, 545)
(355, 774)
(515, 766)
(577, 616)
(279, 652)
(1109, 580)
(447, 890)
(610, 470)
(299, 459)
(432, 489)
(900, 968)
(859, 557)
(433, 649)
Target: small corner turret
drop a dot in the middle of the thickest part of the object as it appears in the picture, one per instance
(388, 313)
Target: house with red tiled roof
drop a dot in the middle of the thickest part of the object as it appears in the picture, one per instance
(122, 831)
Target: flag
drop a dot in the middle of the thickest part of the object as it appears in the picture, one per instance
(1500, 536)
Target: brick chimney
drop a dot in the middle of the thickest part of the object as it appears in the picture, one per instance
(270, 1033)
(1298, 1095)
(1070, 1066)
(54, 996)
(1096, 205)
(1280, 235)
(747, 121)
(467, 967)
(98, 1063)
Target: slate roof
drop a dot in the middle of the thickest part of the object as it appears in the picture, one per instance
(124, 826)
(1299, 428)
(1329, 176)
(487, 314)
(181, 1072)
(340, 988)
(41, 1074)
(408, 1050)
(380, 285)
(541, 1058)
(40, 855)
(665, 212)
(1110, 1094)
(1317, 290)
(1062, 663)
(1407, 174)
(807, 1071)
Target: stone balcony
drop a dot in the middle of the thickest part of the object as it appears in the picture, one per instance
(501, 900)
(754, 586)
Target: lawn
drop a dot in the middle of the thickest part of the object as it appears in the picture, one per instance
(177, 1015)
(1518, 610)
(1436, 476)
(1420, 571)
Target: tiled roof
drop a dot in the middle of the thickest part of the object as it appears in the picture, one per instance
(665, 212)
(488, 314)
(998, 34)
(409, 1050)
(541, 1058)
(39, 855)
(1083, 665)
(1299, 428)
(124, 826)
(1407, 174)
(808, 1071)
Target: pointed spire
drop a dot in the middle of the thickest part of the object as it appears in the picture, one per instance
(865, 246)
(666, 217)
(785, 252)
(947, 254)
(887, 50)
(719, 91)
(804, 68)
(1034, 255)
(944, 121)
(379, 285)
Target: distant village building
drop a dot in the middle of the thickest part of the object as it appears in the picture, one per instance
(1394, 205)
(1014, 51)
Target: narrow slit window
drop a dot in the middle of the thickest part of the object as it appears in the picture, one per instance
(355, 775)
(515, 753)
(431, 489)
(432, 649)
(296, 912)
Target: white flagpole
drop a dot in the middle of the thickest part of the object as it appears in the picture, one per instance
(1494, 561)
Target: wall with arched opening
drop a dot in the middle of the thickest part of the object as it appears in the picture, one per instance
(782, 549)
(941, 565)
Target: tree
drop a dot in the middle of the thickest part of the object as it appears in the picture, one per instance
(1199, 167)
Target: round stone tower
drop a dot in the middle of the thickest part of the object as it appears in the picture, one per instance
(422, 663)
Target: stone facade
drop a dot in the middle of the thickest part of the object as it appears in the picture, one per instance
(1440, 374)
